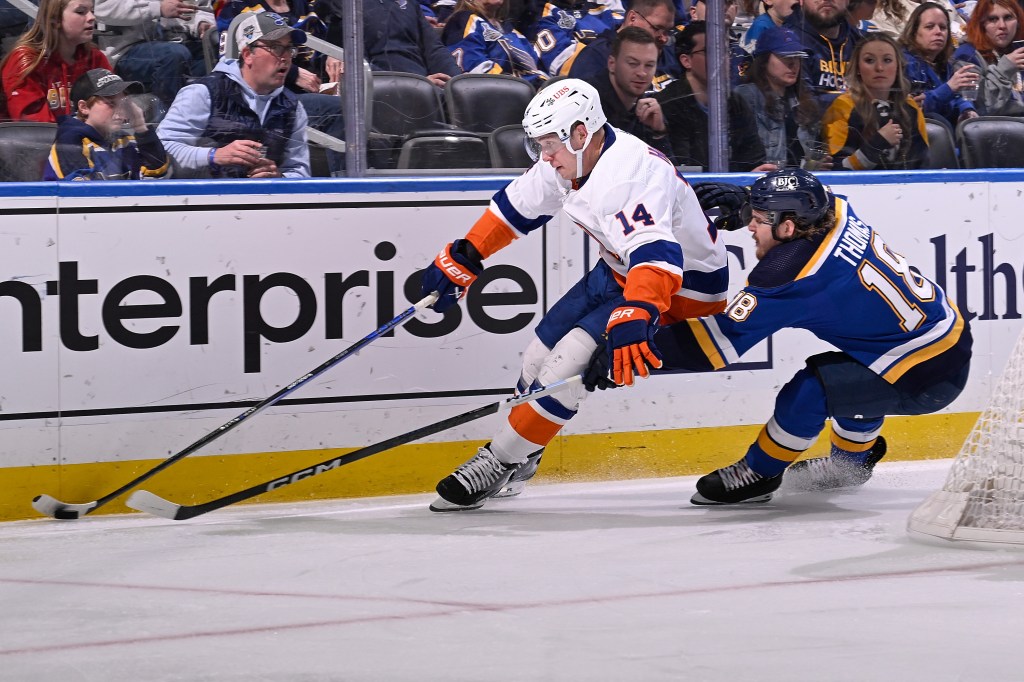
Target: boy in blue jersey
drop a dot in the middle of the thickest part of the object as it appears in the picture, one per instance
(904, 348)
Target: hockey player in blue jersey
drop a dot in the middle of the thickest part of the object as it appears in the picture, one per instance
(904, 348)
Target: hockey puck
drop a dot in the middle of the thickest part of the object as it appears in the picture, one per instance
(65, 515)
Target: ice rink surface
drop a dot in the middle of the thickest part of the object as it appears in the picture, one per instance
(597, 581)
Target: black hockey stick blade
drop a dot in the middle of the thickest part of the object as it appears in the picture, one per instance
(145, 501)
(51, 506)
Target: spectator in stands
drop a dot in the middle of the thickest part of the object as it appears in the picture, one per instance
(684, 106)
(785, 112)
(240, 121)
(107, 138)
(994, 27)
(396, 37)
(775, 12)
(654, 16)
(825, 33)
(567, 26)
(48, 59)
(875, 124)
(859, 15)
(739, 59)
(155, 43)
(623, 86)
(927, 49)
(891, 16)
(483, 40)
(323, 109)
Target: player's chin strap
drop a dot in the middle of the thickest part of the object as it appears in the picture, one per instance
(579, 154)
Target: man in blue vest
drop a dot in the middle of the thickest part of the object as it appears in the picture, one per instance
(240, 121)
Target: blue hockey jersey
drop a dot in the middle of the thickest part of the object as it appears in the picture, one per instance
(481, 47)
(848, 288)
(563, 32)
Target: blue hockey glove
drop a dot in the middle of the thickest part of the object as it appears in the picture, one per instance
(451, 273)
(630, 331)
(724, 201)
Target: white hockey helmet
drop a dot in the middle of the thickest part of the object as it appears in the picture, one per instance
(557, 108)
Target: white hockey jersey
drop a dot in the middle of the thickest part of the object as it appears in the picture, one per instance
(640, 210)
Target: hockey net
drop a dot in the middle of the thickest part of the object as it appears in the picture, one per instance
(982, 500)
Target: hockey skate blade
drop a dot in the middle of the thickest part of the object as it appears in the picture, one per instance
(54, 508)
(443, 505)
(145, 501)
(511, 489)
(702, 501)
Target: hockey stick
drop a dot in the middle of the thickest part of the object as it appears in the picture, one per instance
(50, 506)
(145, 501)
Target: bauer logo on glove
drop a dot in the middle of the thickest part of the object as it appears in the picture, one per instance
(452, 273)
(631, 329)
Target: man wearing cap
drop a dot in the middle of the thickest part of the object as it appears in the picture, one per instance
(156, 42)
(739, 59)
(684, 105)
(240, 121)
(107, 137)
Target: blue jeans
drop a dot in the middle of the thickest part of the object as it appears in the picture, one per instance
(324, 113)
(163, 68)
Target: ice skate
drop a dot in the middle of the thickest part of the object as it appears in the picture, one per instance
(473, 482)
(830, 473)
(734, 484)
(522, 474)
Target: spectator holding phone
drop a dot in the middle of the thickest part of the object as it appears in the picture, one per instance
(928, 48)
(995, 44)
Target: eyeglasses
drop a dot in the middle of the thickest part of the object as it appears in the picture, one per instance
(278, 50)
(658, 30)
(693, 52)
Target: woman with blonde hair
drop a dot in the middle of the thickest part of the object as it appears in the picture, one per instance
(483, 40)
(47, 60)
(994, 34)
(875, 124)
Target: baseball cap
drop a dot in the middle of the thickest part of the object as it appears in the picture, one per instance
(264, 26)
(780, 42)
(101, 83)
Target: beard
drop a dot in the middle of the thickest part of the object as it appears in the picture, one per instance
(823, 23)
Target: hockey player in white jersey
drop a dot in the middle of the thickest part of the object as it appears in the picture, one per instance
(661, 261)
(903, 347)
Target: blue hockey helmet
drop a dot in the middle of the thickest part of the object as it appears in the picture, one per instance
(790, 191)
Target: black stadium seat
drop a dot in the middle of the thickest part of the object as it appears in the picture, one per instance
(445, 150)
(24, 147)
(941, 147)
(481, 103)
(508, 148)
(992, 142)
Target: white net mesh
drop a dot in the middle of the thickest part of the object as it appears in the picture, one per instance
(983, 497)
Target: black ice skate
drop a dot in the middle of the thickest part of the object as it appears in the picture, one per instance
(830, 473)
(473, 482)
(523, 473)
(733, 484)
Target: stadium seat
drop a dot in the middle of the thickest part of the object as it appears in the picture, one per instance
(24, 147)
(448, 150)
(941, 147)
(481, 103)
(405, 104)
(991, 142)
(507, 146)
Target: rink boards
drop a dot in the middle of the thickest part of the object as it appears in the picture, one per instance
(137, 317)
